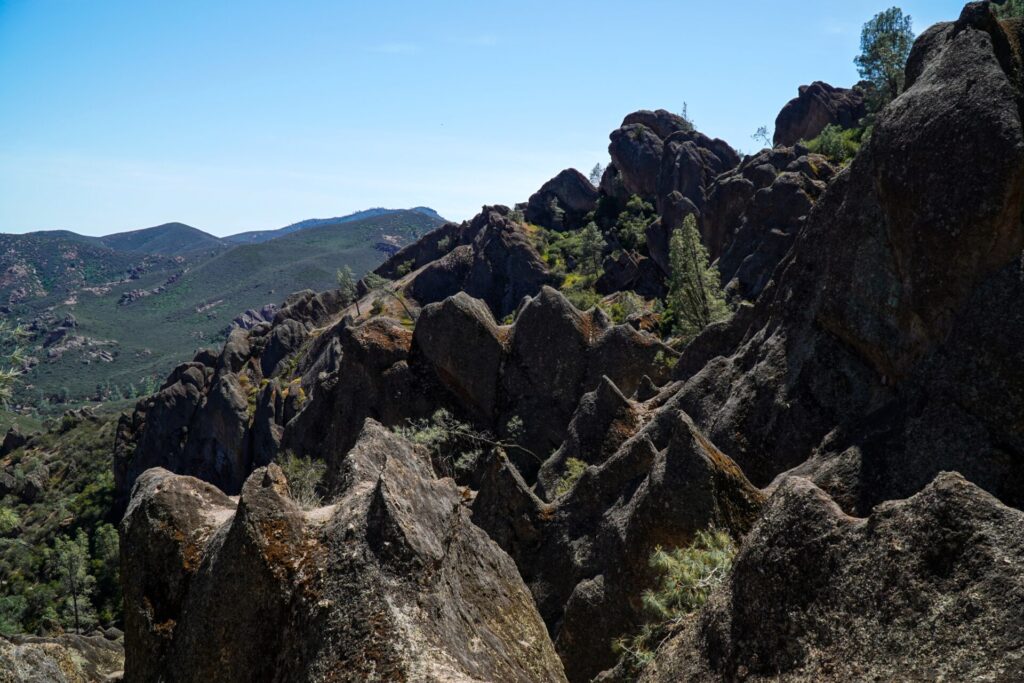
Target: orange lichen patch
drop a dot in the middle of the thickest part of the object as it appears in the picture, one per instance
(165, 629)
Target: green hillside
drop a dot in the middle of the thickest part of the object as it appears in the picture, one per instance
(169, 239)
(136, 330)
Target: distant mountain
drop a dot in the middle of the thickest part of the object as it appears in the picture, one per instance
(169, 239)
(257, 236)
(116, 318)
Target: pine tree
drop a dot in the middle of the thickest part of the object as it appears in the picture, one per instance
(885, 44)
(592, 246)
(695, 297)
(347, 286)
(71, 563)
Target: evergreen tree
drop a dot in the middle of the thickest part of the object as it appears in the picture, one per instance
(347, 286)
(592, 246)
(885, 44)
(695, 297)
(71, 564)
(595, 175)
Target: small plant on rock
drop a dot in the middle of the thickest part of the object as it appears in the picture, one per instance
(574, 469)
(686, 578)
(304, 477)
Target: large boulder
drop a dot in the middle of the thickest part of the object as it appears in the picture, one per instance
(500, 266)
(391, 582)
(926, 588)
(777, 189)
(562, 202)
(818, 105)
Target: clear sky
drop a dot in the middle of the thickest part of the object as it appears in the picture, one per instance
(231, 116)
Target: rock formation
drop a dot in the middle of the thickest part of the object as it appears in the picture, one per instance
(391, 582)
(66, 658)
(818, 426)
(562, 202)
(818, 105)
(926, 588)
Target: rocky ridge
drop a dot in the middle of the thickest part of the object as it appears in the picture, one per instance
(817, 425)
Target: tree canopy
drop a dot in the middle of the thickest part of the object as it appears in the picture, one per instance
(885, 44)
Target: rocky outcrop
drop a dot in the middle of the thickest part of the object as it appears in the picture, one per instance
(66, 658)
(818, 105)
(859, 329)
(926, 588)
(584, 556)
(562, 202)
(535, 371)
(392, 582)
(756, 211)
(500, 266)
(199, 422)
(656, 153)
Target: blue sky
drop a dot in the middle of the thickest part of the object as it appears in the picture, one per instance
(234, 116)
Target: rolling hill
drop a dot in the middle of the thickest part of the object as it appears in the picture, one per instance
(257, 236)
(169, 239)
(134, 315)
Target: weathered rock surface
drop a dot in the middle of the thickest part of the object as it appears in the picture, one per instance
(862, 318)
(500, 266)
(756, 211)
(60, 659)
(562, 202)
(926, 588)
(391, 582)
(584, 556)
(818, 105)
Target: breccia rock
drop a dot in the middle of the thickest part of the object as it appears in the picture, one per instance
(499, 266)
(391, 581)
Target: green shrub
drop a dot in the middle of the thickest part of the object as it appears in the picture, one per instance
(304, 478)
(633, 221)
(686, 578)
(574, 469)
(626, 304)
(838, 144)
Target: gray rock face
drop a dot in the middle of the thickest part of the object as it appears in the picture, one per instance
(61, 659)
(866, 301)
(584, 556)
(392, 582)
(926, 588)
(562, 202)
(756, 211)
(818, 105)
(500, 266)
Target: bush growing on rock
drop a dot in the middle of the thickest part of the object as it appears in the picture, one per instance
(304, 477)
(574, 469)
(839, 145)
(686, 578)
(633, 222)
